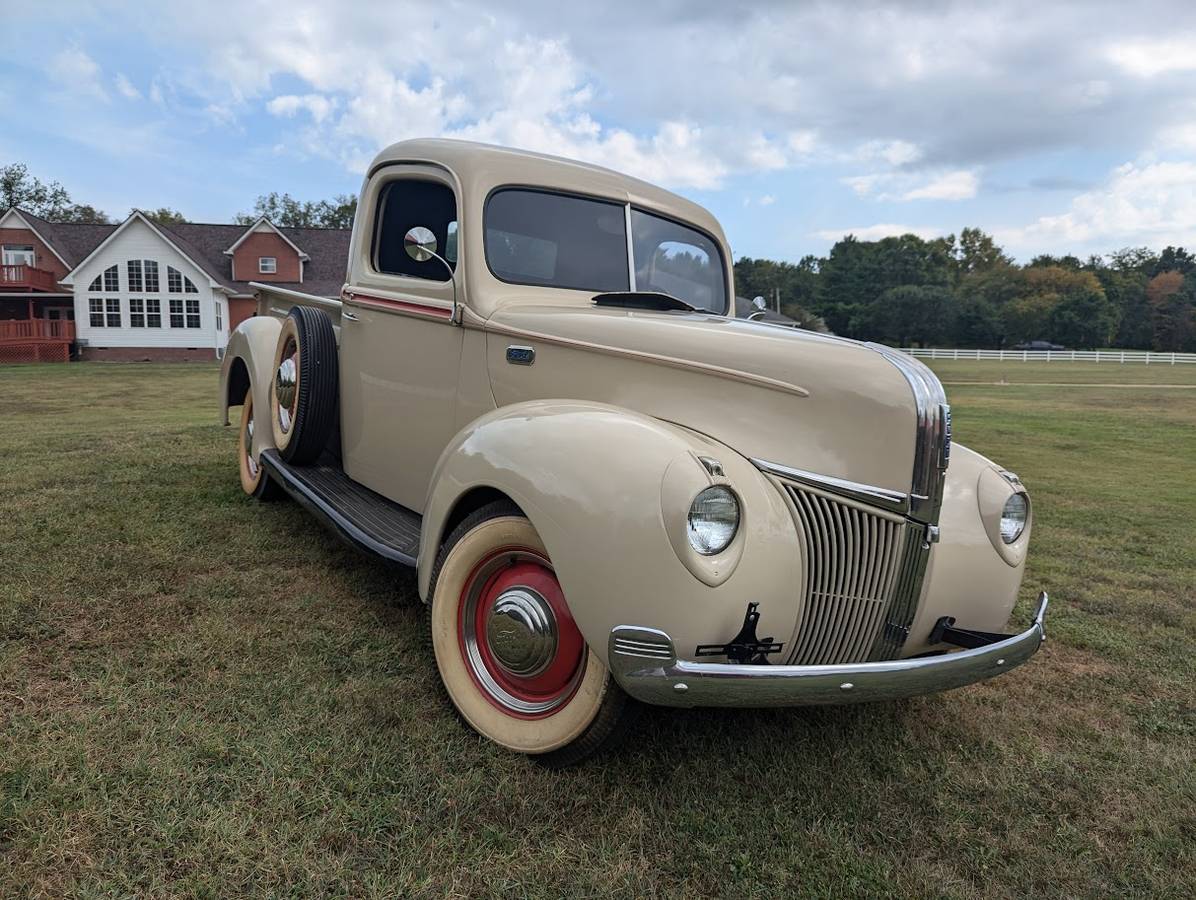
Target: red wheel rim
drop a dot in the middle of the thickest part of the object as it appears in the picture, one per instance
(523, 650)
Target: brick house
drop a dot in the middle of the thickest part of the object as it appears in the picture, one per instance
(144, 291)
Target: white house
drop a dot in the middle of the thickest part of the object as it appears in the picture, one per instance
(143, 290)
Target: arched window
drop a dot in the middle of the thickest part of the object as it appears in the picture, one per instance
(177, 282)
(108, 281)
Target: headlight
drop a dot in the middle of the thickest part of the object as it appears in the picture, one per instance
(1013, 518)
(713, 520)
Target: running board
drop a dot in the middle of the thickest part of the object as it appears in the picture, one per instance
(366, 520)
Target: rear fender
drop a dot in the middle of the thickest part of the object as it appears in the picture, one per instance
(608, 490)
(250, 356)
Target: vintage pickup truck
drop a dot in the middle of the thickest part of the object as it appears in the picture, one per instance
(533, 391)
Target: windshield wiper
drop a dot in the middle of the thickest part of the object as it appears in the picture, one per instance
(653, 300)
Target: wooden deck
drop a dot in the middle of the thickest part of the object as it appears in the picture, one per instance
(35, 340)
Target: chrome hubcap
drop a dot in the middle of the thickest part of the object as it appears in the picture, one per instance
(286, 381)
(521, 645)
(521, 632)
(252, 463)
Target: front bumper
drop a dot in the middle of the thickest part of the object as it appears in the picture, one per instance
(644, 663)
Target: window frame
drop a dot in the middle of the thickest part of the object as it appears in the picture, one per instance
(170, 307)
(261, 261)
(110, 312)
(628, 208)
(576, 195)
(188, 315)
(95, 307)
(434, 291)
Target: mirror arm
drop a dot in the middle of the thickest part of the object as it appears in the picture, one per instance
(456, 316)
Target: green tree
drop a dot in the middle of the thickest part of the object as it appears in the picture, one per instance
(285, 210)
(978, 252)
(857, 272)
(48, 200)
(906, 315)
(1061, 304)
(1172, 299)
(164, 215)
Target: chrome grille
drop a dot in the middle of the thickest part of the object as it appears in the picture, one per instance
(862, 576)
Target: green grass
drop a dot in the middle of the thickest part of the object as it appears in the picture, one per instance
(204, 696)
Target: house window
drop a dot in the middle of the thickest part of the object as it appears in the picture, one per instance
(219, 318)
(18, 255)
(192, 313)
(267, 265)
(136, 312)
(151, 276)
(95, 310)
(153, 312)
(177, 283)
(112, 306)
(135, 275)
(108, 280)
(176, 313)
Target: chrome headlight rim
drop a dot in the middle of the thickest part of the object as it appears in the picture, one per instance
(713, 520)
(1014, 516)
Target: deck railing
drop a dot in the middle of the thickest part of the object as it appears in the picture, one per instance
(1146, 357)
(36, 330)
(27, 278)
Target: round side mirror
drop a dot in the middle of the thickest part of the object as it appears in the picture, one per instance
(420, 243)
(759, 303)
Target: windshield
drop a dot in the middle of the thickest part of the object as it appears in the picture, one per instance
(557, 240)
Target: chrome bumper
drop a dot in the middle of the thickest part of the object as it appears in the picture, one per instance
(644, 663)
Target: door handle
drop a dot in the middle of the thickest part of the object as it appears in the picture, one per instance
(345, 314)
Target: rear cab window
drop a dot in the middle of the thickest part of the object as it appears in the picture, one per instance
(404, 204)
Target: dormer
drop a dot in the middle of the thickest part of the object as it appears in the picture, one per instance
(264, 253)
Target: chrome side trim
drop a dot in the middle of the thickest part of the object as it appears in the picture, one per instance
(669, 681)
(932, 446)
(894, 501)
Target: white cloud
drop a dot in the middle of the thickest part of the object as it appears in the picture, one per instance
(125, 87)
(876, 232)
(1140, 203)
(895, 153)
(77, 73)
(1147, 58)
(767, 200)
(317, 106)
(961, 185)
(901, 186)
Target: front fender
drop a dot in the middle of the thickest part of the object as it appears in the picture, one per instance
(250, 354)
(967, 577)
(592, 480)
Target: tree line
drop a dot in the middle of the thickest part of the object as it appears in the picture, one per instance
(967, 292)
(905, 291)
(52, 202)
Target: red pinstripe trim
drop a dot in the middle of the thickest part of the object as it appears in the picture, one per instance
(399, 305)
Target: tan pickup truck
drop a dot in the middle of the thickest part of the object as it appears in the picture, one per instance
(533, 391)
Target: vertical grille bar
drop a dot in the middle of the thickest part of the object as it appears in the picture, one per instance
(862, 580)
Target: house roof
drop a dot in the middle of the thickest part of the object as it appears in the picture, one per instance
(326, 249)
(324, 273)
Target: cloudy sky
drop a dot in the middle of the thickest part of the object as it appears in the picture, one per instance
(1058, 127)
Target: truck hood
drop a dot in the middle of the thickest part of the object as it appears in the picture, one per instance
(821, 404)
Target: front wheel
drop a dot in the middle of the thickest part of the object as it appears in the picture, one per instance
(509, 653)
(254, 480)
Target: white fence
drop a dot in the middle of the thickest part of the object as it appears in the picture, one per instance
(1107, 356)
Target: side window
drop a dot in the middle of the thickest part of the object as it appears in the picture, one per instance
(403, 205)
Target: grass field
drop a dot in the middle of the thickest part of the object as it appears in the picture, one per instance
(204, 696)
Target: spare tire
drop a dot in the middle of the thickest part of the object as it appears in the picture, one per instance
(304, 389)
